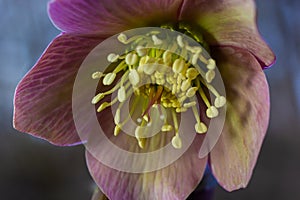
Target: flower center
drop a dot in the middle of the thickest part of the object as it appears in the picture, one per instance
(168, 74)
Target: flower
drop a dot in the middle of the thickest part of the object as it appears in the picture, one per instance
(43, 98)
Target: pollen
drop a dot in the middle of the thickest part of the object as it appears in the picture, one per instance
(169, 76)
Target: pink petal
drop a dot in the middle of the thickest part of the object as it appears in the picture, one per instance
(108, 17)
(235, 154)
(43, 97)
(229, 23)
(175, 181)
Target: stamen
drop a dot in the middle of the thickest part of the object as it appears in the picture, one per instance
(117, 130)
(194, 50)
(97, 75)
(117, 117)
(190, 104)
(149, 69)
(122, 94)
(200, 127)
(212, 112)
(142, 142)
(156, 40)
(203, 96)
(178, 65)
(180, 41)
(185, 85)
(173, 89)
(175, 122)
(131, 59)
(167, 57)
(139, 132)
(195, 59)
(176, 142)
(112, 57)
(106, 104)
(141, 51)
(191, 92)
(97, 98)
(211, 64)
(220, 101)
(122, 38)
(134, 77)
(166, 128)
(120, 67)
(210, 75)
(109, 78)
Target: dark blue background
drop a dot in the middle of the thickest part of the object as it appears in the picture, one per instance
(32, 169)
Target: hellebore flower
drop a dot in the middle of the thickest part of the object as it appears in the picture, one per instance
(226, 29)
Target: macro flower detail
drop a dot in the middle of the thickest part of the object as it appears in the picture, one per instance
(157, 79)
(162, 79)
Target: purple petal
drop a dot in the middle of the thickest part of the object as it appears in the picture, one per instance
(235, 154)
(42, 104)
(229, 23)
(175, 181)
(108, 17)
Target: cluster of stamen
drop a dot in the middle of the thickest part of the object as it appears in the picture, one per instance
(159, 72)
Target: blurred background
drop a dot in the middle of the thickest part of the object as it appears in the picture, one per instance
(32, 169)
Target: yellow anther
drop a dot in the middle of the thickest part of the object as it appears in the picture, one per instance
(103, 106)
(182, 99)
(167, 57)
(178, 82)
(109, 78)
(122, 38)
(117, 130)
(134, 77)
(210, 75)
(180, 41)
(185, 85)
(195, 49)
(150, 68)
(176, 142)
(117, 117)
(211, 64)
(131, 59)
(166, 128)
(144, 60)
(181, 109)
(97, 98)
(191, 73)
(142, 142)
(139, 132)
(160, 81)
(191, 91)
(146, 118)
(122, 94)
(195, 59)
(178, 65)
(158, 75)
(156, 40)
(200, 128)
(141, 51)
(190, 104)
(212, 112)
(140, 68)
(97, 75)
(112, 57)
(220, 101)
